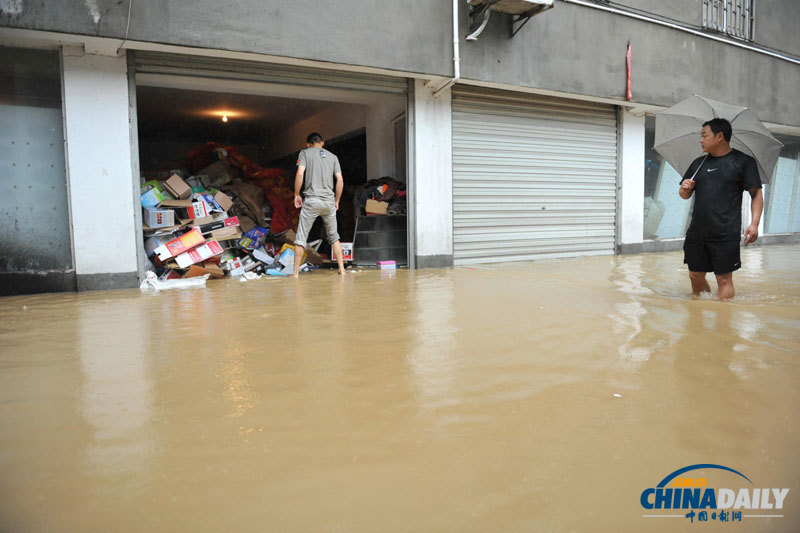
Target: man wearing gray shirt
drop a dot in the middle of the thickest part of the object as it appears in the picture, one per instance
(320, 197)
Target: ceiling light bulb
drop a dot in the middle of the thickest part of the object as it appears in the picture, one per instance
(224, 118)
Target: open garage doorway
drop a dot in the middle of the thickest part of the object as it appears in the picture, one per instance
(266, 124)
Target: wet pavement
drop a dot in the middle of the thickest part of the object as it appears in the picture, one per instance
(541, 396)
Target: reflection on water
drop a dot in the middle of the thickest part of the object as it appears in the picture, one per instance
(467, 399)
(117, 395)
(433, 360)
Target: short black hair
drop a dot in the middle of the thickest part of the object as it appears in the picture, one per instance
(720, 125)
(314, 138)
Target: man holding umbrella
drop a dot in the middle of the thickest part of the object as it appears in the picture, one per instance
(717, 181)
(740, 155)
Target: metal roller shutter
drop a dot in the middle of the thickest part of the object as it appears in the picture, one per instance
(237, 69)
(533, 177)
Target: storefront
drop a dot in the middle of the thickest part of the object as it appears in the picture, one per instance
(533, 177)
(264, 112)
(667, 215)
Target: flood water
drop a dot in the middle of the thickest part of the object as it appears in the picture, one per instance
(541, 396)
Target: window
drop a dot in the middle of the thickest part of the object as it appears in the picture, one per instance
(733, 17)
(782, 193)
(666, 214)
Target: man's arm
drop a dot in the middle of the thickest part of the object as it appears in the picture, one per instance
(756, 208)
(339, 188)
(687, 189)
(298, 184)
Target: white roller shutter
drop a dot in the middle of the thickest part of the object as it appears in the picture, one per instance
(533, 177)
(237, 69)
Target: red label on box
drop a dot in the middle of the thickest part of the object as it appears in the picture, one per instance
(195, 255)
(185, 242)
(198, 210)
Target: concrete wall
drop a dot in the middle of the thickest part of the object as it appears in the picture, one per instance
(333, 122)
(357, 32)
(101, 185)
(432, 178)
(580, 50)
(569, 49)
(341, 119)
(684, 11)
(630, 211)
(380, 137)
(777, 23)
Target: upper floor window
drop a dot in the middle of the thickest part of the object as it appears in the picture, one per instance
(733, 17)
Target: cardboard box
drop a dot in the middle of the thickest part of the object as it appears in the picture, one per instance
(214, 268)
(230, 262)
(169, 274)
(286, 256)
(387, 265)
(375, 207)
(288, 236)
(206, 268)
(347, 251)
(219, 224)
(177, 187)
(223, 200)
(200, 206)
(262, 255)
(176, 204)
(240, 266)
(181, 244)
(213, 206)
(227, 255)
(226, 234)
(253, 238)
(313, 257)
(215, 175)
(158, 218)
(198, 254)
(202, 221)
(198, 210)
(151, 243)
(152, 194)
(165, 231)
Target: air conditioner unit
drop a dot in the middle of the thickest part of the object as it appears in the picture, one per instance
(520, 10)
(515, 7)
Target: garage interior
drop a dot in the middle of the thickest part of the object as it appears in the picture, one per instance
(268, 124)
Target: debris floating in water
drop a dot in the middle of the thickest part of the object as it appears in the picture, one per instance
(617, 395)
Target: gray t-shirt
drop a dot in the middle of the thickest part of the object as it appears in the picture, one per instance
(318, 180)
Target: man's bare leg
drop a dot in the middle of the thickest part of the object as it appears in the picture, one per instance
(725, 286)
(699, 282)
(337, 253)
(299, 252)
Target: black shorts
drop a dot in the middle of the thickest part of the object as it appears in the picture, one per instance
(717, 257)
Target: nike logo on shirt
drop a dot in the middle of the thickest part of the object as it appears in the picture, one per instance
(711, 169)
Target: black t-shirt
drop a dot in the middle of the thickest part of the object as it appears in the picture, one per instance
(717, 213)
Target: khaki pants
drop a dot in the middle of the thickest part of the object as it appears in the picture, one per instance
(313, 208)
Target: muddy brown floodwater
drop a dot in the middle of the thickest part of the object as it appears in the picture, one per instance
(543, 396)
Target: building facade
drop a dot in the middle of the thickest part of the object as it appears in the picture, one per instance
(511, 147)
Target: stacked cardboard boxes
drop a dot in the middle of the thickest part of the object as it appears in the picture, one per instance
(189, 232)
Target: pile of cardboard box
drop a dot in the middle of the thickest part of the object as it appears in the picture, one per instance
(188, 232)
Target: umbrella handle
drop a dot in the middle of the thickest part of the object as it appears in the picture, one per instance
(698, 168)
